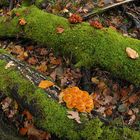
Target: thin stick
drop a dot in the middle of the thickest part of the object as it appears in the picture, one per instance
(105, 8)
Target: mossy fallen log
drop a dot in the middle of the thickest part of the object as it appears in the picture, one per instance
(52, 116)
(89, 46)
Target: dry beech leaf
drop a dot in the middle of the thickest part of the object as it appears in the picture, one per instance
(102, 85)
(10, 64)
(101, 110)
(59, 30)
(133, 99)
(132, 119)
(22, 56)
(108, 112)
(22, 21)
(61, 97)
(23, 131)
(55, 61)
(42, 67)
(35, 134)
(132, 53)
(107, 99)
(45, 84)
(124, 92)
(94, 80)
(74, 115)
(17, 49)
(94, 96)
(32, 60)
(130, 112)
(6, 103)
(27, 114)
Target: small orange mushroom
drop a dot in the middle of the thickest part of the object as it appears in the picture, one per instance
(78, 99)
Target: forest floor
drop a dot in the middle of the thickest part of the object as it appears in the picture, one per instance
(113, 98)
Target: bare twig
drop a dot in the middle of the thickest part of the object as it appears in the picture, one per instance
(86, 17)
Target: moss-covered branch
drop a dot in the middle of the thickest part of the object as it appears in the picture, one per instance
(90, 47)
(52, 116)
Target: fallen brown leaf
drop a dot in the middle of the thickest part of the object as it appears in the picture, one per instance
(108, 112)
(10, 64)
(22, 21)
(36, 134)
(42, 67)
(27, 114)
(74, 115)
(17, 49)
(32, 60)
(23, 131)
(94, 80)
(132, 53)
(55, 61)
(45, 84)
(133, 99)
(59, 30)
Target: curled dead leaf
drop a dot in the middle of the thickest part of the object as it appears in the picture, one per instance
(42, 67)
(22, 21)
(32, 60)
(132, 53)
(74, 115)
(94, 80)
(23, 131)
(36, 134)
(27, 114)
(45, 84)
(10, 64)
(59, 30)
(133, 99)
(108, 111)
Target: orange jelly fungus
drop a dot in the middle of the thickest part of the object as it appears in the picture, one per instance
(78, 99)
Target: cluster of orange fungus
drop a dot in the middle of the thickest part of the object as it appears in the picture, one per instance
(74, 18)
(96, 24)
(78, 99)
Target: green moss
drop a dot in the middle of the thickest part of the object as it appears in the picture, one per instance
(119, 133)
(92, 130)
(130, 134)
(39, 2)
(90, 47)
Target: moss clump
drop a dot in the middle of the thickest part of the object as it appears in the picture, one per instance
(92, 130)
(129, 134)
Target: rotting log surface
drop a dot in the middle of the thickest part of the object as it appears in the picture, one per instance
(89, 46)
(48, 113)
